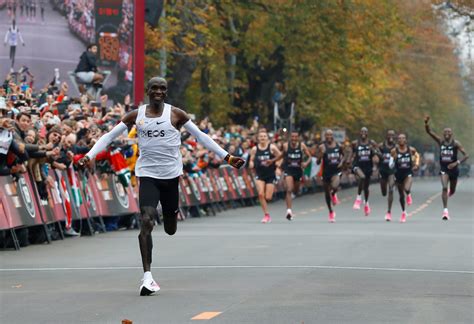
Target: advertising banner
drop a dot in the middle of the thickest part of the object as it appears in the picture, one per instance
(57, 33)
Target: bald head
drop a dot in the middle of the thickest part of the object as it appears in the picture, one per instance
(329, 136)
(156, 80)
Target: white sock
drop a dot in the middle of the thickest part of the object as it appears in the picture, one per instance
(288, 211)
(147, 275)
(445, 210)
(366, 203)
(359, 197)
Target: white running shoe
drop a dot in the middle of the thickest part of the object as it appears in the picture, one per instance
(148, 287)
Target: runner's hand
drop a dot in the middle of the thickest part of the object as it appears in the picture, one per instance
(84, 162)
(234, 161)
(266, 163)
(452, 165)
(415, 168)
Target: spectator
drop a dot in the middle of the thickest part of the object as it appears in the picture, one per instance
(87, 71)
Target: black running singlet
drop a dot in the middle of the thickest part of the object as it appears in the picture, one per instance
(403, 160)
(264, 155)
(363, 154)
(384, 164)
(293, 157)
(332, 157)
(448, 154)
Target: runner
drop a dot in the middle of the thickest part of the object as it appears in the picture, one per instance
(11, 37)
(331, 155)
(405, 160)
(363, 152)
(293, 166)
(386, 174)
(159, 165)
(263, 158)
(449, 162)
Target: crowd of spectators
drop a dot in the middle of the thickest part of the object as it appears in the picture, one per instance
(56, 129)
(53, 130)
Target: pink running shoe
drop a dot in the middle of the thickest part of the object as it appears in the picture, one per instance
(403, 219)
(445, 215)
(332, 217)
(409, 200)
(266, 219)
(357, 203)
(367, 210)
(450, 193)
(388, 217)
(335, 200)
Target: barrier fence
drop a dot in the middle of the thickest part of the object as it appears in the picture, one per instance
(78, 196)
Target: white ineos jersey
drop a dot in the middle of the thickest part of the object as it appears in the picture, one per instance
(12, 36)
(159, 144)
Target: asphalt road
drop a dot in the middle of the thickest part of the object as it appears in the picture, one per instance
(358, 270)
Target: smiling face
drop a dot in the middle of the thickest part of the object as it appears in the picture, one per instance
(448, 134)
(24, 122)
(157, 89)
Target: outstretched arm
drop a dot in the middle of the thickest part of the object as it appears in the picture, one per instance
(127, 122)
(430, 132)
(183, 120)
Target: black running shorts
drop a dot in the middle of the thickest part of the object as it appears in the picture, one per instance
(328, 174)
(385, 174)
(367, 170)
(267, 178)
(453, 173)
(296, 173)
(166, 191)
(400, 176)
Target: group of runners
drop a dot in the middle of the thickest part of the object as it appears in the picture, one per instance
(395, 159)
(159, 166)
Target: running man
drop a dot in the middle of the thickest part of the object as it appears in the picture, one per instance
(449, 162)
(263, 157)
(11, 37)
(159, 165)
(331, 154)
(293, 166)
(386, 174)
(405, 160)
(363, 152)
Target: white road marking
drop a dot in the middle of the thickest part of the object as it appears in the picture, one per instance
(195, 267)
